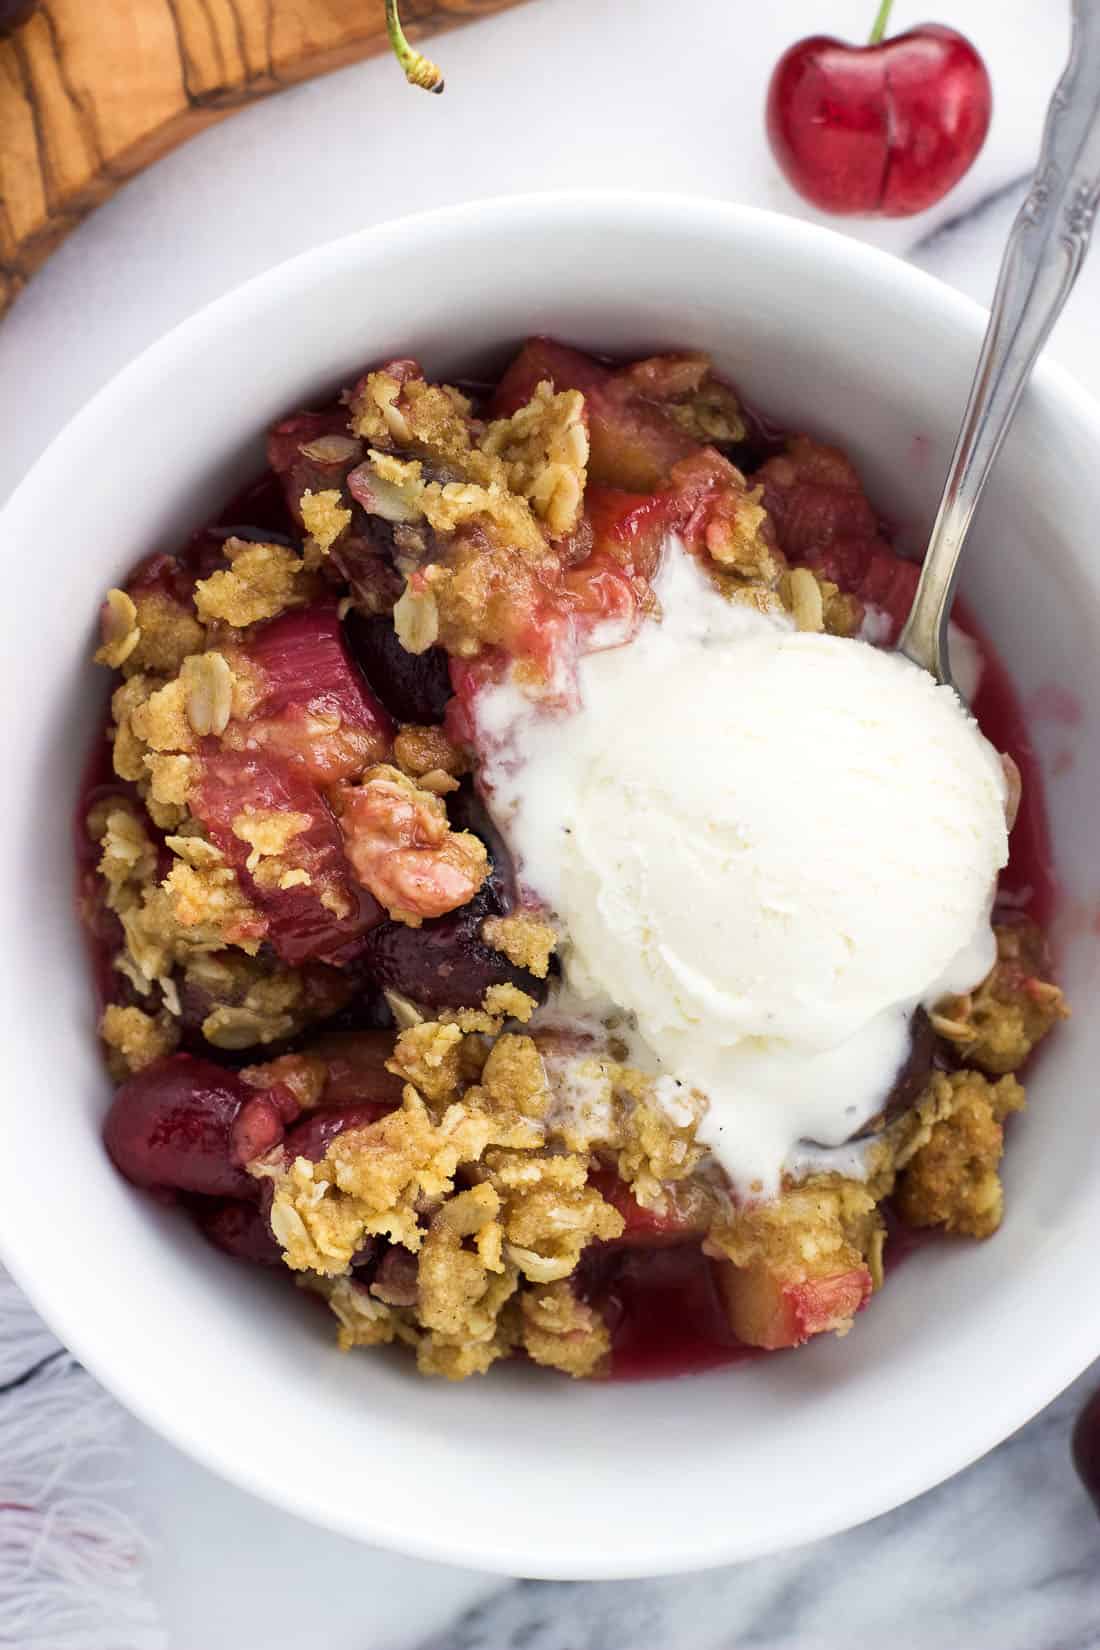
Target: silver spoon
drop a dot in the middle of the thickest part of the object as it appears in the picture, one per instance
(1045, 251)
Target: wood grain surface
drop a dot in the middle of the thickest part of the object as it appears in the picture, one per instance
(91, 91)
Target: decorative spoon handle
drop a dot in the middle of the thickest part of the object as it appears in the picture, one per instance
(1045, 251)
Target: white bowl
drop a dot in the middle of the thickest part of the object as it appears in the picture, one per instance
(524, 1472)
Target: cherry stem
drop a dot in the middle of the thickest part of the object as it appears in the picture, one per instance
(883, 18)
(419, 70)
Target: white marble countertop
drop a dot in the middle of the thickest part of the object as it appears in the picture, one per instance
(661, 94)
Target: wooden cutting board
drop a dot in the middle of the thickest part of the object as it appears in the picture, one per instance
(91, 91)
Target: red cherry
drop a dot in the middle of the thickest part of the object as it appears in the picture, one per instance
(175, 1124)
(884, 129)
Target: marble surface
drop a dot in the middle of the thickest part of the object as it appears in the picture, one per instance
(647, 94)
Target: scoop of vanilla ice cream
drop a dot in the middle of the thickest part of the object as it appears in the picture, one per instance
(767, 847)
(783, 837)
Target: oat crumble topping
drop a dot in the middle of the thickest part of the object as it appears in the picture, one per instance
(134, 1038)
(324, 517)
(261, 581)
(461, 1221)
(527, 941)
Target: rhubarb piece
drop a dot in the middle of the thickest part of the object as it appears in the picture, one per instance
(258, 1126)
(815, 499)
(823, 520)
(633, 443)
(632, 527)
(174, 1125)
(768, 1310)
(707, 502)
(312, 902)
(606, 603)
(721, 515)
(799, 1264)
(541, 360)
(313, 703)
(312, 452)
(686, 1217)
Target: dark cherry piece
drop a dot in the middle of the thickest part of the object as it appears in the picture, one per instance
(313, 1136)
(238, 1229)
(189, 1125)
(910, 1081)
(251, 535)
(912, 1076)
(15, 12)
(355, 1068)
(367, 1009)
(914, 1073)
(1086, 1448)
(396, 1281)
(414, 687)
(262, 504)
(329, 992)
(662, 1308)
(884, 129)
(444, 963)
(467, 812)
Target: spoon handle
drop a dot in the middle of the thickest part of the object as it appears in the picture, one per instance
(1045, 251)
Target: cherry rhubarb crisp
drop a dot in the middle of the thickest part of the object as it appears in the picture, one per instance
(332, 1008)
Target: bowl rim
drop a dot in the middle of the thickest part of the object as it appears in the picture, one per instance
(1003, 1410)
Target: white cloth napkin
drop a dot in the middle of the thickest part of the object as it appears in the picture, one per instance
(71, 1556)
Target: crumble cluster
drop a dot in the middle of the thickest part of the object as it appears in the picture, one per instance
(489, 1192)
(485, 1179)
(457, 1223)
